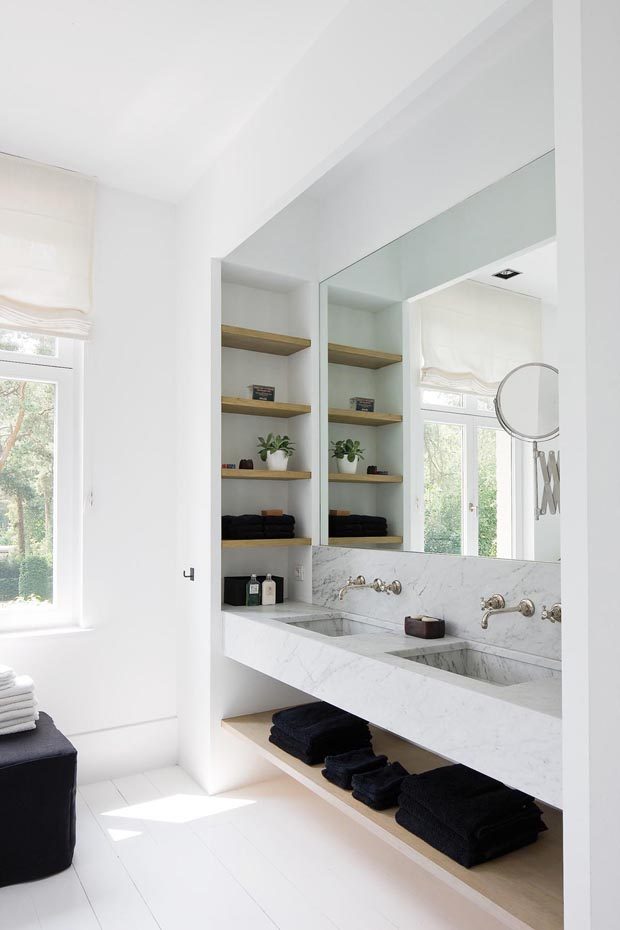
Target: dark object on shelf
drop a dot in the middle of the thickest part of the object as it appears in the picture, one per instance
(312, 731)
(466, 815)
(255, 526)
(371, 470)
(340, 769)
(382, 472)
(425, 627)
(356, 524)
(246, 463)
(362, 404)
(262, 392)
(37, 803)
(379, 789)
(229, 466)
(234, 588)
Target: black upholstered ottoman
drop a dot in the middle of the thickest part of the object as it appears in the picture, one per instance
(37, 803)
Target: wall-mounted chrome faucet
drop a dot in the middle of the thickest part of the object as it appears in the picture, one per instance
(381, 587)
(554, 614)
(496, 604)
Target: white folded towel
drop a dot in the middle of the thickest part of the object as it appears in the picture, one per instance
(12, 716)
(7, 676)
(17, 706)
(18, 728)
(22, 685)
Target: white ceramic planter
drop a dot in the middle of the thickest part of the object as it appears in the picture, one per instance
(345, 467)
(277, 461)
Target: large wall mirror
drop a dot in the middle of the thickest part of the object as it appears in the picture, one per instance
(417, 338)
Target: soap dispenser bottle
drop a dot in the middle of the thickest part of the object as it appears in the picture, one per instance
(269, 591)
(252, 592)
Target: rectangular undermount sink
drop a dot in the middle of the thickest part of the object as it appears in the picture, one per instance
(498, 668)
(337, 626)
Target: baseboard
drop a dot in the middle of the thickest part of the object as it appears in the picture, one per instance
(105, 754)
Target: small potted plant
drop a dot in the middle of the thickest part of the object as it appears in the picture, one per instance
(347, 453)
(276, 451)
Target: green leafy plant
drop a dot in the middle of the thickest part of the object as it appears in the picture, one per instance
(347, 448)
(274, 444)
(35, 578)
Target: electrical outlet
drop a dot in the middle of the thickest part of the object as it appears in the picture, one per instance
(299, 572)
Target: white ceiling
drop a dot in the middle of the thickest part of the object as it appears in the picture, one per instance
(144, 94)
(538, 278)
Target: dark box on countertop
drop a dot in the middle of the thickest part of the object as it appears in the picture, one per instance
(425, 627)
(234, 589)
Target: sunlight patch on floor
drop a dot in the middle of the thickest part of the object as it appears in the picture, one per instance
(179, 808)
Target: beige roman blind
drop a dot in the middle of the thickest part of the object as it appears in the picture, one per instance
(46, 246)
(473, 334)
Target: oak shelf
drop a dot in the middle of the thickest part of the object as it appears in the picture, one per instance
(265, 543)
(361, 358)
(262, 408)
(264, 474)
(360, 418)
(365, 540)
(523, 889)
(365, 479)
(254, 340)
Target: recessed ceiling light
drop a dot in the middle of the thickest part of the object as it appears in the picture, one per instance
(506, 273)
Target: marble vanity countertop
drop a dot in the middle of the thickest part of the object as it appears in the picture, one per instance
(511, 732)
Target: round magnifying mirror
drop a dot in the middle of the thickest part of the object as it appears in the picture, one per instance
(527, 402)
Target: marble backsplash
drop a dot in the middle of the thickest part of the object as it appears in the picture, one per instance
(448, 587)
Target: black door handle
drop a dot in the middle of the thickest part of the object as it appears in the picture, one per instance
(189, 574)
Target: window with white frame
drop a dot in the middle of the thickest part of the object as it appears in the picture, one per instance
(469, 500)
(39, 485)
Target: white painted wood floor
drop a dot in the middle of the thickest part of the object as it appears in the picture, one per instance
(153, 851)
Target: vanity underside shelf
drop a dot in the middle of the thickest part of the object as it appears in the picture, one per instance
(524, 888)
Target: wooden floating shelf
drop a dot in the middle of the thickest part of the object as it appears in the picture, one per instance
(263, 474)
(361, 358)
(262, 408)
(365, 479)
(359, 418)
(365, 541)
(253, 340)
(265, 543)
(523, 889)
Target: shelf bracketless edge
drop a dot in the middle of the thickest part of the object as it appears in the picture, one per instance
(524, 888)
(360, 418)
(365, 479)
(365, 541)
(361, 358)
(254, 340)
(265, 543)
(262, 408)
(265, 475)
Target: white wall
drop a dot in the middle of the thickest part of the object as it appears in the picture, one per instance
(120, 676)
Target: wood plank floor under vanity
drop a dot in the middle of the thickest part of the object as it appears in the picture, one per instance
(153, 851)
(524, 888)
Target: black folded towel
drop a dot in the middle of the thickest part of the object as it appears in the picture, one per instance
(307, 721)
(379, 789)
(321, 746)
(243, 532)
(352, 530)
(373, 531)
(440, 837)
(341, 768)
(242, 520)
(467, 802)
(367, 520)
(279, 532)
(284, 519)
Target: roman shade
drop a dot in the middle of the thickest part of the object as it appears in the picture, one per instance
(473, 334)
(46, 244)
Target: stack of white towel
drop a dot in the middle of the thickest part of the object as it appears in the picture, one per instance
(18, 705)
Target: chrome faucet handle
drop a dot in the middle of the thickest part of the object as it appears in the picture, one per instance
(360, 580)
(495, 602)
(554, 613)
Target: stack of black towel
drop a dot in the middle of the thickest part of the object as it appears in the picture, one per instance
(253, 526)
(375, 781)
(466, 815)
(357, 525)
(312, 731)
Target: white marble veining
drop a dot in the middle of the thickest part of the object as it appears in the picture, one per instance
(448, 587)
(509, 731)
